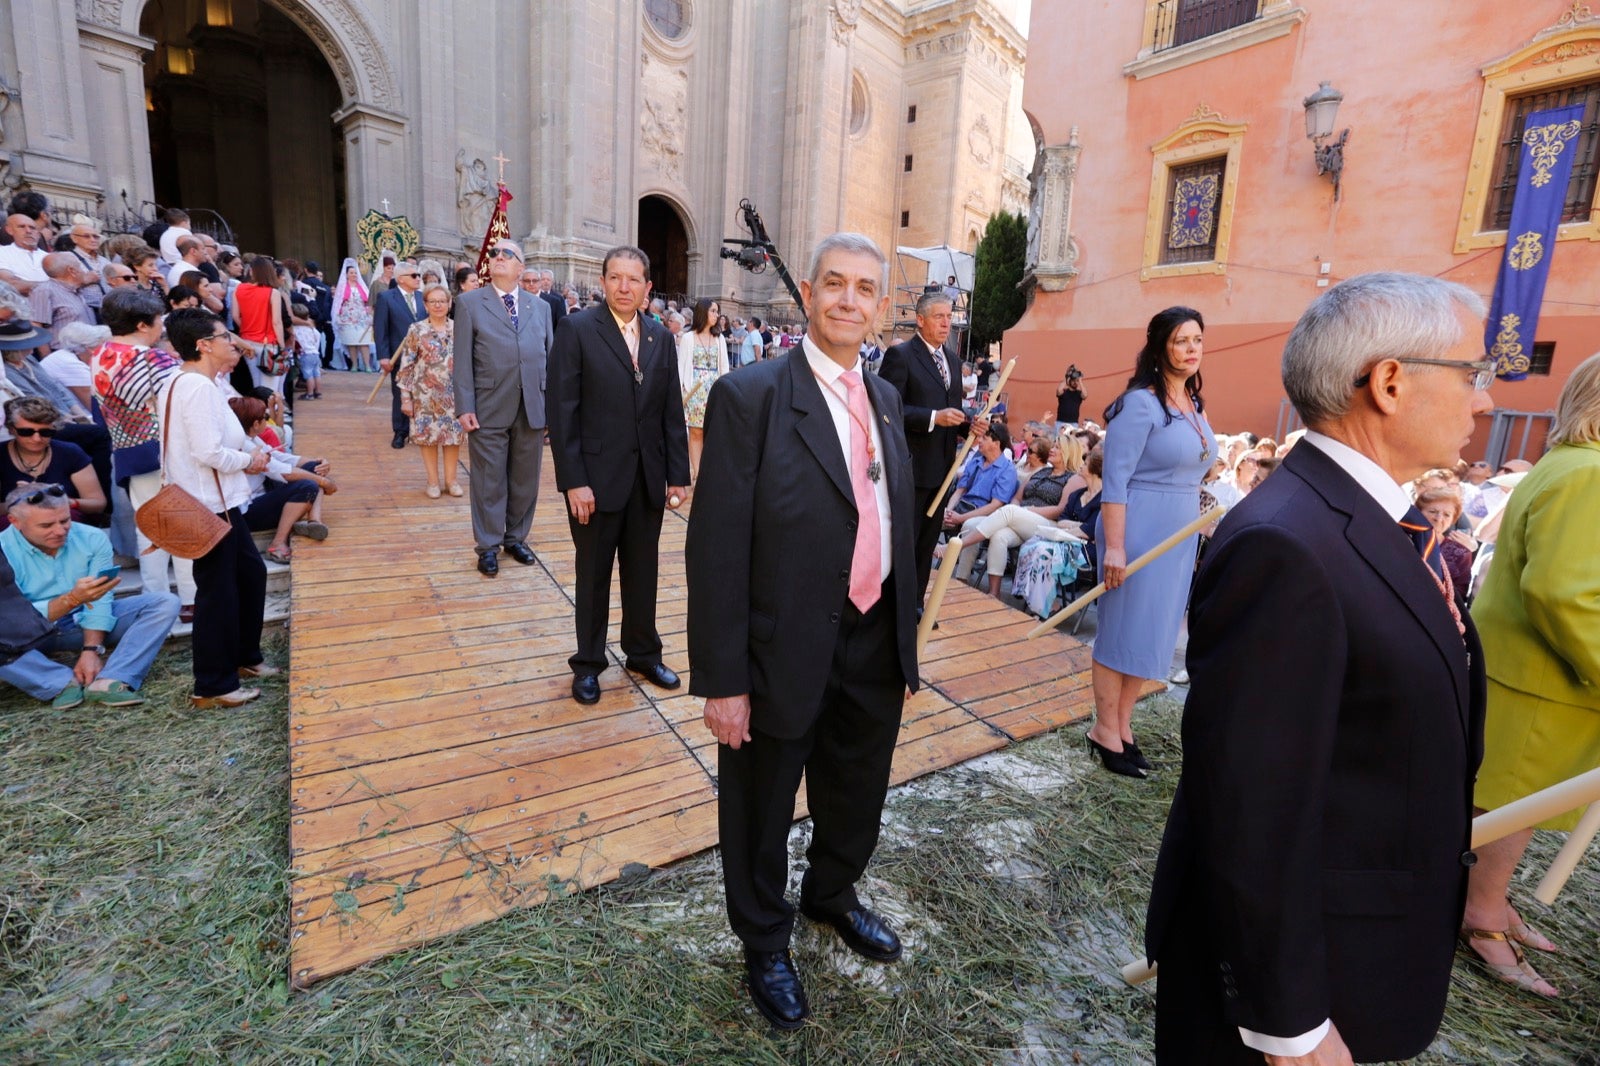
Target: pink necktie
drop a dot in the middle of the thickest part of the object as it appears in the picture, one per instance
(866, 565)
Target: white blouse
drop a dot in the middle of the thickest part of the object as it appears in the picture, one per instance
(205, 439)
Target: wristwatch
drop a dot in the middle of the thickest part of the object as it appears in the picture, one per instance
(98, 649)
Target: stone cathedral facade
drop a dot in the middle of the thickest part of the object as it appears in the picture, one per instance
(641, 121)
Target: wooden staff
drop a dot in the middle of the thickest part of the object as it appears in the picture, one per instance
(966, 445)
(930, 613)
(376, 386)
(698, 385)
(1566, 860)
(1568, 795)
(1134, 567)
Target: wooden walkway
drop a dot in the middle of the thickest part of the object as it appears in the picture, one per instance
(441, 774)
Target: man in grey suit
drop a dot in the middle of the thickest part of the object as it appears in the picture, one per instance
(503, 337)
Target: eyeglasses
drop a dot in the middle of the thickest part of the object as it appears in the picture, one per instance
(34, 499)
(504, 253)
(1482, 370)
(29, 431)
(223, 336)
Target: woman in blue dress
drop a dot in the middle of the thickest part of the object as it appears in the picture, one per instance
(1158, 447)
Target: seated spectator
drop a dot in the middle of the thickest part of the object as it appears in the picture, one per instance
(1052, 560)
(1244, 473)
(987, 483)
(1442, 507)
(33, 455)
(285, 498)
(1264, 466)
(69, 363)
(1492, 496)
(60, 568)
(58, 300)
(1035, 457)
(181, 296)
(1038, 503)
(1083, 505)
(1220, 485)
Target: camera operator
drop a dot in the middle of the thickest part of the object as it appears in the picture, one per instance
(1069, 397)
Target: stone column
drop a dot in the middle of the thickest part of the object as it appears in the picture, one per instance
(374, 159)
(55, 146)
(437, 135)
(113, 84)
(1055, 249)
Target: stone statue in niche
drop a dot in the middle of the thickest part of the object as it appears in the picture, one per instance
(474, 194)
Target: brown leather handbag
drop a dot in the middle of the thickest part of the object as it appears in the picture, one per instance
(173, 519)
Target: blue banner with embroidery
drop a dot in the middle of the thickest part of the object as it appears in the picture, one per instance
(1543, 167)
(1194, 211)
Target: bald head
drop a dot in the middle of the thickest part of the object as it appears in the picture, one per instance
(60, 266)
(23, 230)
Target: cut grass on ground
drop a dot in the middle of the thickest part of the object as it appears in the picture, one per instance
(143, 919)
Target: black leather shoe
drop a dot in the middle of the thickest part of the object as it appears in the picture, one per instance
(521, 553)
(586, 688)
(658, 674)
(863, 932)
(488, 565)
(775, 988)
(399, 441)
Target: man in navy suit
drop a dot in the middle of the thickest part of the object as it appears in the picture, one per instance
(621, 449)
(558, 306)
(802, 619)
(1314, 867)
(396, 310)
(929, 381)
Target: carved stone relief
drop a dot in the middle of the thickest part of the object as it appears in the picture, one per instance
(1052, 247)
(663, 124)
(846, 13)
(981, 141)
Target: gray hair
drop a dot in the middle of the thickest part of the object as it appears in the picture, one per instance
(79, 337)
(18, 497)
(1361, 321)
(928, 300)
(677, 317)
(551, 274)
(853, 243)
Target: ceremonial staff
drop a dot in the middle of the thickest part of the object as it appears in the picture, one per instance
(930, 613)
(966, 445)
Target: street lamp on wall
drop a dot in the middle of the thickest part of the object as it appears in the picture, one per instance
(1322, 108)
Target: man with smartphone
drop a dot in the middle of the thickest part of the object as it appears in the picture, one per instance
(65, 570)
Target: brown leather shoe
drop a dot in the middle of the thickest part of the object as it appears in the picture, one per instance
(237, 698)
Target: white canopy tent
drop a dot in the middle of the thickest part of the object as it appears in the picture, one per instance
(942, 261)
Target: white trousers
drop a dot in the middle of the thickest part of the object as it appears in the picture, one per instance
(1004, 529)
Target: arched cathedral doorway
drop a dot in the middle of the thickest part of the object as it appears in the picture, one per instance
(240, 103)
(665, 240)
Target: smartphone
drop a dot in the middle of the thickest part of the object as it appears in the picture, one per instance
(115, 571)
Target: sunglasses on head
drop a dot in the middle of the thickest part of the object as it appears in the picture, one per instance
(34, 499)
(29, 431)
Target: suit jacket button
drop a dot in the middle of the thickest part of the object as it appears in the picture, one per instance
(834, 617)
(1469, 859)
(1231, 993)
(844, 575)
(1225, 968)
(851, 525)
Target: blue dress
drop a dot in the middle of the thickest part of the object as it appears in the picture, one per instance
(1155, 468)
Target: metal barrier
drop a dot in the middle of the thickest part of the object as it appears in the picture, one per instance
(1514, 434)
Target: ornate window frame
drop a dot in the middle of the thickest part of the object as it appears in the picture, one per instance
(1203, 136)
(1277, 18)
(1552, 60)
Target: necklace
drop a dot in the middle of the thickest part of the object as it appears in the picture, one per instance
(34, 469)
(874, 468)
(1194, 424)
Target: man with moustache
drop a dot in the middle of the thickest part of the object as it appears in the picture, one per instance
(1312, 876)
(397, 309)
(802, 606)
(502, 342)
(621, 450)
(929, 382)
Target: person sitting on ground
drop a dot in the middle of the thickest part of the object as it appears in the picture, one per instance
(66, 571)
(286, 498)
(33, 455)
(1038, 503)
(69, 363)
(988, 481)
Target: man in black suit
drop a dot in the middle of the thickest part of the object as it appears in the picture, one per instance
(558, 306)
(929, 381)
(396, 310)
(619, 441)
(1313, 872)
(802, 634)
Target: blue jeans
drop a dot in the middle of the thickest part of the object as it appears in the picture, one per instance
(143, 624)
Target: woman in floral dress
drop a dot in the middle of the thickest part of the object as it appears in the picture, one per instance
(702, 359)
(426, 362)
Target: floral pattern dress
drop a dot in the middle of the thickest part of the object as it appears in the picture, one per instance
(426, 364)
(698, 388)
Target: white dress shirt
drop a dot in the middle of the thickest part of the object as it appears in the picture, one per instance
(937, 353)
(834, 392)
(1377, 483)
(205, 437)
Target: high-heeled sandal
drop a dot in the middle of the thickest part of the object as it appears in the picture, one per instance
(1520, 974)
(1115, 761)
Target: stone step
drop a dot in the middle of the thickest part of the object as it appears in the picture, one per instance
(278, 580)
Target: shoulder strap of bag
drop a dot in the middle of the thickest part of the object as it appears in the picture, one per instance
(166, 428)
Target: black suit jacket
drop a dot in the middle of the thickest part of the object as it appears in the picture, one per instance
(558, 306)
(391, 320)
(771, 540)
(603, 425)
(1331, 738)
(908, 367)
